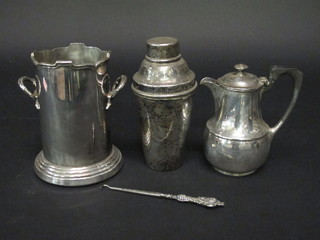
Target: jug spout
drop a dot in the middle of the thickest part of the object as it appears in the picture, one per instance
(211, 84)
(215, 89)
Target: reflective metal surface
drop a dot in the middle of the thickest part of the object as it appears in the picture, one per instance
(72, 92)
(164, 86)
(164, 126)
(209, 202)
(237, 140)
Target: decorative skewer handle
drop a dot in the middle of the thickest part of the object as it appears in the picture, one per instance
(202, 201)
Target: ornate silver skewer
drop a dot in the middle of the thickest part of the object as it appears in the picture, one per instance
(203, 201)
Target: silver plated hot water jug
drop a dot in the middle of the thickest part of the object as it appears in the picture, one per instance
(72, 93)
(236, 138)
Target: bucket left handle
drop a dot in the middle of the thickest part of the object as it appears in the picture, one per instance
(36, 93)
(105, 83)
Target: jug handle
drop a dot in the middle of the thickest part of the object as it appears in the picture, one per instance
(297, 76)
(36, 93)
(112, 91)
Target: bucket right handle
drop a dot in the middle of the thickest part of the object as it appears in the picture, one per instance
(36, 93)
(112, 91)
(297, 76)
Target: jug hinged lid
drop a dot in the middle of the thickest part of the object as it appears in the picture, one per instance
(241, 81)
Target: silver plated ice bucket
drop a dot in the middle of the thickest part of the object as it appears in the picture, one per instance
(72, 93)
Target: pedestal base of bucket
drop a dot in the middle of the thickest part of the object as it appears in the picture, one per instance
(78, 176)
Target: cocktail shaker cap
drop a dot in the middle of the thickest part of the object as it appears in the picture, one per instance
(163, 49)
(163, 73)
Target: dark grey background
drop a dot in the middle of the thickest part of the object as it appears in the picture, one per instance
(279, 201)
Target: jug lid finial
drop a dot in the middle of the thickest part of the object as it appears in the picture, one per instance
(240, 67)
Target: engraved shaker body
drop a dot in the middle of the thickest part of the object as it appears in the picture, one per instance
(164, 86)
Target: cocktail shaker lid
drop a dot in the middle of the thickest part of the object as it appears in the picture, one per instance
(240, 81)
(163, 49)
(163, 73)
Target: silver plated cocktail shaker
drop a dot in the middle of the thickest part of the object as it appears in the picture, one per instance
(164, 86)
(72, 93)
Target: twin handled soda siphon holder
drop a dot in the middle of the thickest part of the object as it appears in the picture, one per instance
(73, 93)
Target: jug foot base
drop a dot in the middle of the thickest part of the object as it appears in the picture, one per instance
(235, 174)
(78, 176)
